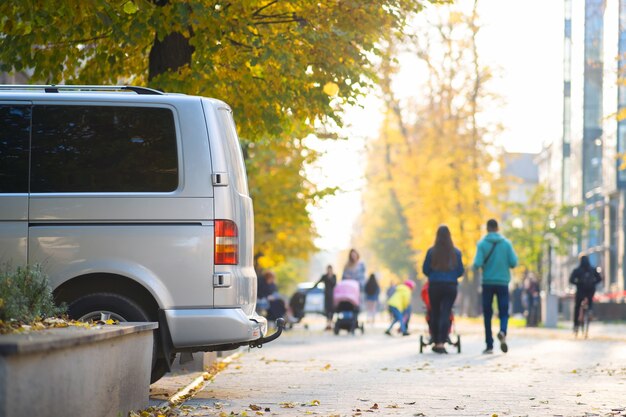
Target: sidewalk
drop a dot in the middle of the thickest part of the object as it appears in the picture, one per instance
(546, 373)
(598, 330)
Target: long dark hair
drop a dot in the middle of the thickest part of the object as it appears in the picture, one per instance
(350, 262)
(443, 253)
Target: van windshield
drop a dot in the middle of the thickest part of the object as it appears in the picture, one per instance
(234, 153)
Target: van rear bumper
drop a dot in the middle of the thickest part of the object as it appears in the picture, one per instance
(199, 329)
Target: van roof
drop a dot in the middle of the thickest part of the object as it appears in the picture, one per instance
(96, 93)
(53, 88)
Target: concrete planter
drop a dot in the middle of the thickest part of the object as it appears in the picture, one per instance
(74, 371)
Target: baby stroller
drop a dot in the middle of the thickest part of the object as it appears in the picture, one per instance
(296, 309)
(346, 300)
(425, 341)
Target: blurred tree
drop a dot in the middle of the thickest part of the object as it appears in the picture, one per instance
(285, 67)
(440, 148)
(273, 61)
(539, 221)
(289, 273)
(385, 229)
(283, 228)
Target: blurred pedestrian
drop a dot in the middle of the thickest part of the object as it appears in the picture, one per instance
(496, 257)
(372, 292)
(533, 300)
(355, 269)
(270, 297)
(399, 306)
(517, 305)
(443, 266)
(329, 279)
(585, 277)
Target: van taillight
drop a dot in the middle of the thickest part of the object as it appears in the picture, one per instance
(226, 243)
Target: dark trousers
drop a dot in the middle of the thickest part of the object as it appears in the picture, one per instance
(442, 296)
(501, 292)
(580, 296)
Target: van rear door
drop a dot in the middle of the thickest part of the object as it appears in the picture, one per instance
(15, 122)
(232, 202)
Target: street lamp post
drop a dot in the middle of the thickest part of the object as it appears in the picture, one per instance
(550, 302)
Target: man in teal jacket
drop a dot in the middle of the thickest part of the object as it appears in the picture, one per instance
(495, 255)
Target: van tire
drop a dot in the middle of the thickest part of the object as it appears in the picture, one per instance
(123, 309)
(89, 306)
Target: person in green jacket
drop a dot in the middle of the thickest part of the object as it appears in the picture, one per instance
(399, 305)
(496, 257)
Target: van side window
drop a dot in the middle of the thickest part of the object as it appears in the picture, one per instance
(103, 149)
(233, 148)
(14, 142)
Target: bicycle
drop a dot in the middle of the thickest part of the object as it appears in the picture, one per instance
(584, 318)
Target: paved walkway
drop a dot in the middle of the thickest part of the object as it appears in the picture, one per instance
(546, 373)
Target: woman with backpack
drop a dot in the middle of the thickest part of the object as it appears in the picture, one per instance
(585, 278)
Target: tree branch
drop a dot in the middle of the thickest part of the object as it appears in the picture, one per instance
(258, 11)
(79, 41)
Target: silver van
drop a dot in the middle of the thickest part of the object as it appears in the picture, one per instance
(136, 205)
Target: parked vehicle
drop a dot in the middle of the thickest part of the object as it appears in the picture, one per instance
(136, 204)
(314, 302)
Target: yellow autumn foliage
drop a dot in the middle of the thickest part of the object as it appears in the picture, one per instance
(437, 149)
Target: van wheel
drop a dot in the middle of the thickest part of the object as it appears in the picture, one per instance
(94, 306)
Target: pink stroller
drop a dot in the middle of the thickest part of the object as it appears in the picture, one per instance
(346, 301)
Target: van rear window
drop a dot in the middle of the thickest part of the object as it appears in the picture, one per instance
(103, 149)
(235, 155)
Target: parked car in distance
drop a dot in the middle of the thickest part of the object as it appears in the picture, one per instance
(314, 297)
(135, 203)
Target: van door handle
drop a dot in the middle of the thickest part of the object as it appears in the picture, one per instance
(223, 279)
(220, 179)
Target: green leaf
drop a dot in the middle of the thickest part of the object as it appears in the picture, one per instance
(130, 7)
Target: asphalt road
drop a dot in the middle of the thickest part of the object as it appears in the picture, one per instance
(312, 372)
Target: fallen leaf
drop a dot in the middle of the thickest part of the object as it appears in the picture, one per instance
(254, 407)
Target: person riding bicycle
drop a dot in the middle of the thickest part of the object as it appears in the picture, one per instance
(585, 277)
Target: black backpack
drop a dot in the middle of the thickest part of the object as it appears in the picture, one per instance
(587, 280)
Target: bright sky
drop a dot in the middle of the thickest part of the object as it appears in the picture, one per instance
(522, 42)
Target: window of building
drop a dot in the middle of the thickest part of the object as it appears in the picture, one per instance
(103, 149)
(14, 142)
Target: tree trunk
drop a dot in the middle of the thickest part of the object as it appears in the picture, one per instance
(172, 53)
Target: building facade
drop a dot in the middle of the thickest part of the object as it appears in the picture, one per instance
(583, 167)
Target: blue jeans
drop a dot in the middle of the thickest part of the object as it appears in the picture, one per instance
(502, 294)
(399, 316)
